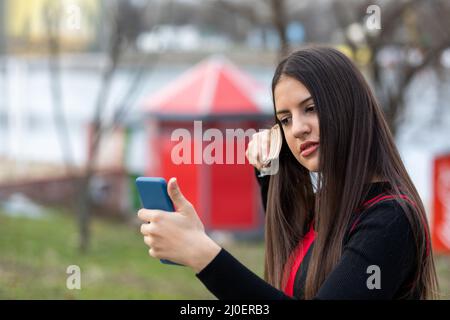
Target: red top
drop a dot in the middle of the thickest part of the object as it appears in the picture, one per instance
(299, 254)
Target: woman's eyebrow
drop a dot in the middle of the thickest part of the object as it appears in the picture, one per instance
(305, 100)
(300, 104)
(282, 111)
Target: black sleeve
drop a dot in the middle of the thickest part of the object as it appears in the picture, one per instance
(263, 186)
(228, 279)
(383, 238)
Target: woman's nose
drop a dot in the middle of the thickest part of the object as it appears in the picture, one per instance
(300, 128)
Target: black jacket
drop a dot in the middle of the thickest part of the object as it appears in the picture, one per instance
(382, 237)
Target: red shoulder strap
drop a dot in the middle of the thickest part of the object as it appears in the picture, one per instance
(383, 197)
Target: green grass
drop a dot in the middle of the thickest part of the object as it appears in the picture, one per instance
(443, 271)
(35, 253)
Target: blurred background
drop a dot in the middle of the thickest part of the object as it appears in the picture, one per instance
(91, 90)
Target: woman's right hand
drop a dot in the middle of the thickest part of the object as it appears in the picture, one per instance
(263, 147)
(258, 148)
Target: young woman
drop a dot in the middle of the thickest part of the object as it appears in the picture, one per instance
(356, 231)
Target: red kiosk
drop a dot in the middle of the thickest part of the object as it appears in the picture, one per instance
(212, 95)
(441, 204)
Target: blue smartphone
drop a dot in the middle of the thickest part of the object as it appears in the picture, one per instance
(153, 195)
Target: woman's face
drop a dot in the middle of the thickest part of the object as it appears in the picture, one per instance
(297, 114)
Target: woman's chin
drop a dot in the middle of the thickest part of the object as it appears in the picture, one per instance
(310, 164)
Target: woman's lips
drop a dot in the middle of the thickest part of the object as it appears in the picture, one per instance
(308, 151)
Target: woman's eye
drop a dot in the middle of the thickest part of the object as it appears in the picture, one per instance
(285, 121)
(310, 109)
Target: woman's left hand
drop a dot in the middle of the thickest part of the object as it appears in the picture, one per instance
(178, 236)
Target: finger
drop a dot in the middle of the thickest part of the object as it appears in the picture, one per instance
(263, 146)
(252, 152)
(248, 153)
(178, 199)
(149, 215)
(153, 253)
(257, 150)
(149, 241)
(149, 229)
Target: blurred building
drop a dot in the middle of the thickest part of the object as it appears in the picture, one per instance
(28, 24)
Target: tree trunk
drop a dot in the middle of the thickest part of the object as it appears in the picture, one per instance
(280, 22)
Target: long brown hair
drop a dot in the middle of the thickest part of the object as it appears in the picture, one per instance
(355, 146)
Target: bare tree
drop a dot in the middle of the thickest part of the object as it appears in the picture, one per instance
(279, 18)
(124, 23)
(115, 50)
(52, 17)
(412, 26)
(122, 37)
(266, 12)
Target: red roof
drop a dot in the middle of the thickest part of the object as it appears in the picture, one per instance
(212, 87)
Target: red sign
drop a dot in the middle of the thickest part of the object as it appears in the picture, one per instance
(441, 205)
